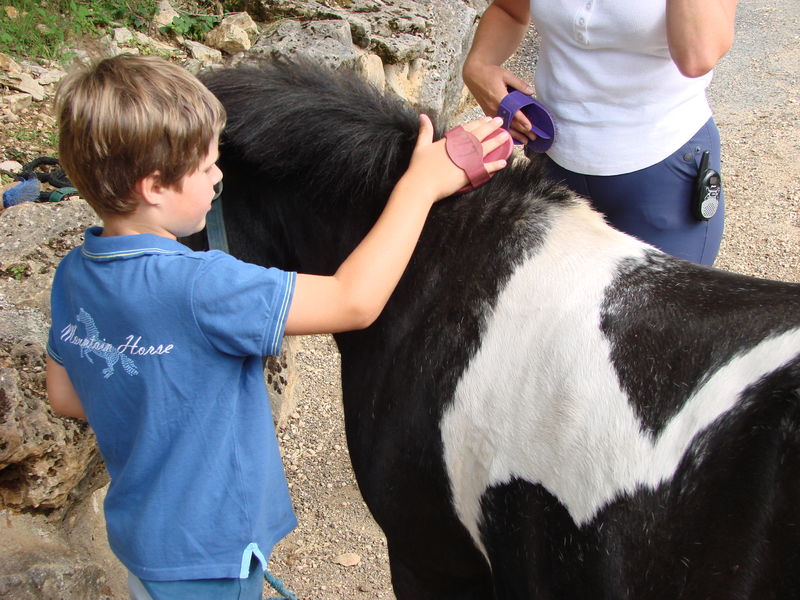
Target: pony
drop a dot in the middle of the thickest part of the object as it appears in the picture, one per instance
(546, 407)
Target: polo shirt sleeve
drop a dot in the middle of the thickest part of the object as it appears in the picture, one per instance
(57, 301)
(51, 347)
(241, 308)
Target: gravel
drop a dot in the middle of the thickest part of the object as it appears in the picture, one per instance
(756, 98)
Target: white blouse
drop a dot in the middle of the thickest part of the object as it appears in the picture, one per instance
(604, 70)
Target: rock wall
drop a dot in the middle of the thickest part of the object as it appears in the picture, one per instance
(52, 480)
(414, 48)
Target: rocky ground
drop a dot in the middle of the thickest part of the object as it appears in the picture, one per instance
(338, 552)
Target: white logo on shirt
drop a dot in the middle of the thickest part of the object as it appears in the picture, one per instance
(92, 344)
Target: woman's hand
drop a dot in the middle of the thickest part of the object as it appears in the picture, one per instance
(500, 31)
(488, 85)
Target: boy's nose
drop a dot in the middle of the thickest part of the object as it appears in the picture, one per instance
(217, 172)
(217, 190)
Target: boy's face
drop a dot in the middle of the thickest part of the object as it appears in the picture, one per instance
(189, 206)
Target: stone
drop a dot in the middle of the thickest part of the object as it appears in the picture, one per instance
(57, 557)
(399, 48)
(11, 166)
(434, 35)
(105, 46)
(154, 45)
(374, 25)
(243, 21)
(229, 38)
(164, 13)
(23, 82)
(17, 102)
(53, 572)
(370, 67)
(11, 12)
(122, 35)
(203, 53)
(235, 33)
(9, 65)
(451, 27)
(43, 458)
(328, 42)
(280, 377)
(51, 76)
(347, 559)
(85, 532)
(194, 66)
(405, 80)
(44, 230)
(408, 24)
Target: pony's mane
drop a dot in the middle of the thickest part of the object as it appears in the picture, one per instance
(306, 147)
(301, 122)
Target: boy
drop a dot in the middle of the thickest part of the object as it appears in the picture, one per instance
(160, 347)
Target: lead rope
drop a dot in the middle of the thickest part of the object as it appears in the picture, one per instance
(218, 240)
(215, 223)
(277, 585)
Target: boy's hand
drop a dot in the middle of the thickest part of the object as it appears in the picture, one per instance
(354, 296)
(432, 168)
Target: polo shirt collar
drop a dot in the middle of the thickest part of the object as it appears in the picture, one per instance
(120, 247)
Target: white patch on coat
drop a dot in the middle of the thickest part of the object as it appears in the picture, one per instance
(540, 400)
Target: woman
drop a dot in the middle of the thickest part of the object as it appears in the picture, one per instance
(625, 82)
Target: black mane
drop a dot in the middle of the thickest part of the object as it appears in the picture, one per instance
(331, 142)
(333, 133)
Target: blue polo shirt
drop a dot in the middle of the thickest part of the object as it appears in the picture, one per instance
(163, 346)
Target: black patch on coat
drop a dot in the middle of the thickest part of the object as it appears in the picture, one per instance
(672, 324)
(724, 527)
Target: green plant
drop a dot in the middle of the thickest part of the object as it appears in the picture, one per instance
(46, 136)
(25, 135)
(41, 29)
(23, 143)
(18, 271)
(191, 26)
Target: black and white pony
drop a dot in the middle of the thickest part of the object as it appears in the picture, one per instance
(547, 408)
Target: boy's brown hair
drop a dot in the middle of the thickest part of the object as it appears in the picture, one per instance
(126, 117)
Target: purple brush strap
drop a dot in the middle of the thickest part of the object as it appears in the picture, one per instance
(542, 123)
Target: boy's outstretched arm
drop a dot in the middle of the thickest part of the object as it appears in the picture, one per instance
(355, 295)
(62, 395)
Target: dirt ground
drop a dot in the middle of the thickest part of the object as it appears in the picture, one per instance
(756, 98)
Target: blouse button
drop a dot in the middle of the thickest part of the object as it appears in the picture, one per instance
(581, 21)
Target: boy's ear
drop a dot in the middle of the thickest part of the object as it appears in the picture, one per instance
(149, 188)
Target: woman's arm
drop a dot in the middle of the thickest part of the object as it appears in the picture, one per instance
(500, 31)
(62, 395)
(699, 33)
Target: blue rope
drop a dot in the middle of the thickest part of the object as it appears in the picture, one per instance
(218, 240)
(215, 226)
(277, 585)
